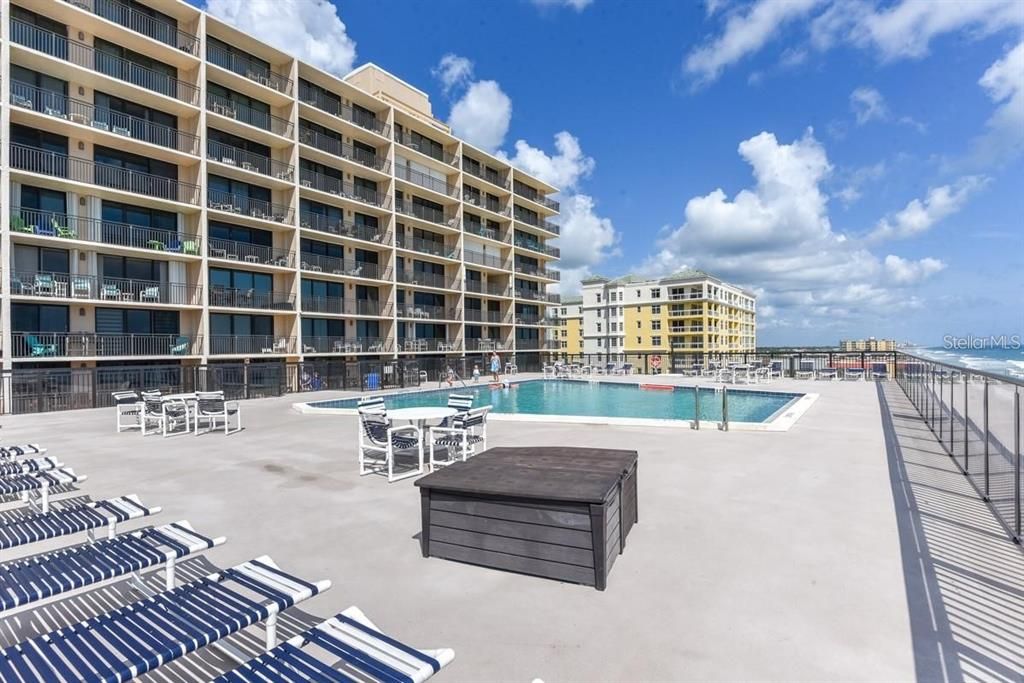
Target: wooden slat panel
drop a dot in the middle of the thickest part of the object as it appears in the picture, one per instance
(612, 515)
(514, 546)
(524, 565)
(613, 553)
(498, 527)
(572, 517)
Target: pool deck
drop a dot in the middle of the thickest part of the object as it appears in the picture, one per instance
(846, 548)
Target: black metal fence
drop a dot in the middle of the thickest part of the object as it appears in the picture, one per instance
(976, 416)
(650, 363)
(42, 390)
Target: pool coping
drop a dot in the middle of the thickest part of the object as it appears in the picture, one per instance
(782, 420)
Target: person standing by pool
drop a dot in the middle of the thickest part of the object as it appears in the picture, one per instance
(476, 373)
(495, 365)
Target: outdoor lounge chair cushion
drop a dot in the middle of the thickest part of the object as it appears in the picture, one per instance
(20, 483)
(19, 451)
(377, 432)
(72, 520)
(9, 467)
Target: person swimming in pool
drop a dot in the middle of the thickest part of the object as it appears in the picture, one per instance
(495, 365)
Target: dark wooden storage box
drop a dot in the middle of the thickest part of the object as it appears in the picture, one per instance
(560, 513)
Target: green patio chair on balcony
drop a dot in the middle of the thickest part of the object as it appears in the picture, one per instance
(180, 346)
(18, 224)
(190, 247)
(37, 348)
(64, 231)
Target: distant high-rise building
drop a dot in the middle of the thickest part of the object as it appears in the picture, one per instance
(869, 344)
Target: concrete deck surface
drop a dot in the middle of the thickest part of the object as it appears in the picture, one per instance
(845, 549)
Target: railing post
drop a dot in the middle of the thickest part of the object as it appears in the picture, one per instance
(941, 420)
(984, 419)
(696, 408)
(952, 415)
(725, 409)
(1016, 467)
(967, 430)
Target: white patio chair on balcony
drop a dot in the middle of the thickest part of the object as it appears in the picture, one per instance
(211, 408)
(280, 346)
(149, 294)
(110, 292)
(80, 288)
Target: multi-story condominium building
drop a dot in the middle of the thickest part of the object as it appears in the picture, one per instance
(176, 191)
(869, 344)
(567, 336)
(687, 312)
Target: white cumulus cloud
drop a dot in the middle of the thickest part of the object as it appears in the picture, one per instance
(308, 29)
(563, 169)
(919, 215)
(903, 272)
(868, 105)
(1004, 83)
(453, 71)
(578, 5)
(482, 115)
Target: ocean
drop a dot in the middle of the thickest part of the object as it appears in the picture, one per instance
(1005, 361)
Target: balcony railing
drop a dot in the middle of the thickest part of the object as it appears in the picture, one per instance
(478, 229)
(345, 345)
(341, 227)
(250, 344)
(529, 219)
(491, 205)
(418, 277)
(86, 56)
(341, 188)
(529, 319)
(92, 344)
(77, 111)
(480, 316)
(406, 139)
(486, 260)
(428, 312)
(247, 161)
(428, 344)
(535, 344)
(248, 68)
(317, 263)
(46, 223)
(538, 247)
(685, 296)
(91, 287)
(530, 269)
(243, 113)
(232, 297)
(339, 306)
(501, 180)
(422, 246)
(534, 196)
(484, 345)
(339, 148)
(426, 213)
(535, 295)
(492, 290)
(151, 27)
(247, 206)
(342, 111)
(427, 181)
(244, 252)
(79, 170)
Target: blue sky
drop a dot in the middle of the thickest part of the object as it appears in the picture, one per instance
(858, 164)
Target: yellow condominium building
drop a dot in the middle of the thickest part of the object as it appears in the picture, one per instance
(687, 312)
(177, 192)
(567, 336)
(869, 344)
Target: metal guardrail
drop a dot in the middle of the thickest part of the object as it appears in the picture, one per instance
(249, 298)
(131, 18)
(479, 229)
(431, 247)
(48, 224)
(43, 345)
(245, 252)
(343, 111)
(341, 227)
(426, 181)
(339, 148)
(426, 213)
(105, 289)
(320, 344)
(250, 344)
(248, 161)
(527, 192)
(248, 206)
(428, 312)
(333, 265)
(248, 68)
(531, 219)
(243, 113)
(418, 277)
(339, 306)
(341, 188)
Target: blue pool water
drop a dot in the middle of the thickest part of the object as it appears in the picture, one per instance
(598, 399)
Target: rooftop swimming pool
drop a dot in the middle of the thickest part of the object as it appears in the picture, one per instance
(616, 400)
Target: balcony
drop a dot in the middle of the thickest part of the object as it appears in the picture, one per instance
(478, 287)
(529, 319)
(428, 344)
(78, 170)
(424, 279)
(137, 21)
(488, 260)
(484, 345)
(85, 56)
(491, 205)
(245, 252)
(427, 312)
(247, 206)
(247, 161)
(248, 68)
(317, 263)
(340, 227)
(426, 213)
(338, 306)
(477, 315)
(406, 139)
(342, 111)
(431, 247)
(535, 295)
(479, 230)
(535, 344)
(77, 111)
(501, 180)
(345, 345)
(538, 247)
(48, 224)
(40, 345)
(685, 296)
(529, 219)
(233, 297)
(338, 148)
(427, 181)
(340, 188)
(250, 344)
(108, 289)
(533, 195)
(687, 346)
(688, 329)
(538, 271)
(251, 116)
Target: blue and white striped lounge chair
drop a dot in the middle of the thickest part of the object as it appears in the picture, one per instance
(880, 371)
(460, 439)
(39, 483)
(361, 651)
(72, 520)
(137, 638)
(828, 374)
(805, 370)
(32, 579)
(25, 450)
(9, 467)
(853, 374)
(380, 443)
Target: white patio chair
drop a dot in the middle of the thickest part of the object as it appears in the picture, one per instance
(460, 440)
(129, 408)
(212, 408)
(166, 413)
(806, 370)
(380, 443)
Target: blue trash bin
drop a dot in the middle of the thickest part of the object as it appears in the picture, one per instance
(373, 381)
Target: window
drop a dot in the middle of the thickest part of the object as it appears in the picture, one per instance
(124, 268)
(136, 321)
(322, 327)
(564, 345)
(219, 186)
(656, 325)
(655, 341)
(656, 309)
(223, 278)
(611, 296)
(599, 328)
(638, 324)
(36, 318)
(655, 293)
(43, 200)
(638, 341)
(132, 162)
(124, 64)
(599, 341)
(37, 91)
(599, 297)
(638, 294)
